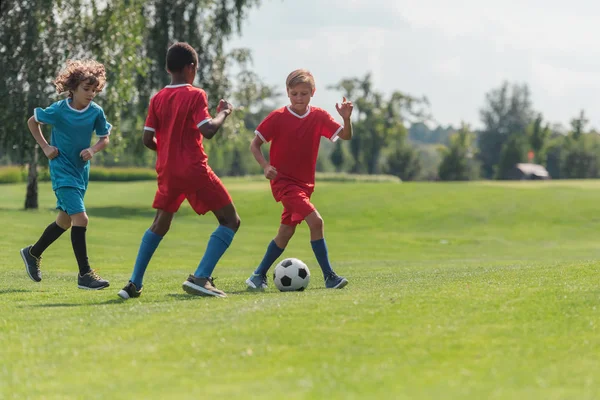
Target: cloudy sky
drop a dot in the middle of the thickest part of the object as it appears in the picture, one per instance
(451, 51)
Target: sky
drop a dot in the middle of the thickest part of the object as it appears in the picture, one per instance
(453, 52)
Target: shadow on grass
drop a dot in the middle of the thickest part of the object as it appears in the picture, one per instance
(58, 305)
(9, 291)
(120, 212)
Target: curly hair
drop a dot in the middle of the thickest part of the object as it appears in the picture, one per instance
(79, 71)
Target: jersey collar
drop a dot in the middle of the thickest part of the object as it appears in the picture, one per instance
(76, 110)
(296, 115)
(176, 86)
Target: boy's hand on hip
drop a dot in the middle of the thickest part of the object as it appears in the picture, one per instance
(224, 105)
(345, 109)
(51, 152)
(270, 172)
(87, 154)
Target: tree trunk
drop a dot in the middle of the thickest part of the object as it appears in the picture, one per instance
(31, 198)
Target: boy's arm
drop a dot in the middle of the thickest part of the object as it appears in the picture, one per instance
(149, 140)
(270, 171)
(345, 110)
(100, 145)
(34, 127)
(212, 126)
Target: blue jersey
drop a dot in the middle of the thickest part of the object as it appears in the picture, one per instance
(71, 133)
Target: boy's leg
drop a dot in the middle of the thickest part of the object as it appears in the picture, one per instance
(32, 255)
(319, 246)
(87, 277)
(201, 282)
(150, 241)
(258, 280)
(166, 202)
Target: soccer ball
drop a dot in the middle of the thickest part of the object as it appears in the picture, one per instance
(291, 275)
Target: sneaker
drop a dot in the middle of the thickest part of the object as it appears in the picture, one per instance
(202, 287)
(129, 291)
(32, 264)
(335, 282)
(257, 282)
(91, 281)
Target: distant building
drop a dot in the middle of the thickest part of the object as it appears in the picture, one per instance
(525, 171)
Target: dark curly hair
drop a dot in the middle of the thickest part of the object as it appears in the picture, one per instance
(179, 55)
(79, 71)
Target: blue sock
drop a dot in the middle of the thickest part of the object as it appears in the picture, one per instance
(217, 244)
(150, 242)
(320, 249)
(272, 254)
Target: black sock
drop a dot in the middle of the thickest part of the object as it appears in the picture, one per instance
(80, 248)
(52, 232)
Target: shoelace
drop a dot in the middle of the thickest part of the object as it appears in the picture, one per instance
(94, 275)
(212, 281)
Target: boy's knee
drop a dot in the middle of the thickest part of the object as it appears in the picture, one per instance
(232, 222)
(80, 219)
(316, 223)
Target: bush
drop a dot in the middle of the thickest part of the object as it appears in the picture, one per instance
(121, 174)
(11, 174)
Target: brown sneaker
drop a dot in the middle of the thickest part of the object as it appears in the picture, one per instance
(202, 287)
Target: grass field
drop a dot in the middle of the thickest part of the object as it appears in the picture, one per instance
(457, 291)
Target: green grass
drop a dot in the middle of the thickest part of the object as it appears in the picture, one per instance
(472, 290)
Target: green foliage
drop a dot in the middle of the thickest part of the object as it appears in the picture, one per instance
(403, 162)
(458, 163)
(507, 111)
(514, 151)
(379, 122)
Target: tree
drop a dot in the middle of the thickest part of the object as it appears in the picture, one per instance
(458, 162)
(338, 157)
(513, 152)
(403, 162)
(507, 111)
(538, 136)
(379, 121)
(130, 37)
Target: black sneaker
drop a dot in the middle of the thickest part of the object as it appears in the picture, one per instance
(334, 281)
(130, 291)
(91, 281)
(202, 287)
(32, 264)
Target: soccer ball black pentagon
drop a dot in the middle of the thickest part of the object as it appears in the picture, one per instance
(291, 275)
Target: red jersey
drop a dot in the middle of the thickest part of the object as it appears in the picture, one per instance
(295, 143)
(175, 114)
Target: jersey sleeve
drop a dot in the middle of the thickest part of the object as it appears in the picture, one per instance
(47, 115)
(200, 113)
(267, 129)
(151, 121)
(330, 128)
(102, 126)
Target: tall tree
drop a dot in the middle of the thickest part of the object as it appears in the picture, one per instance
(458, 162)
(507, 111)
(379, 121)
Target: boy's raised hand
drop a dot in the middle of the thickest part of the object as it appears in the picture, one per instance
(50, 151)
(224, 105)
(345, 109)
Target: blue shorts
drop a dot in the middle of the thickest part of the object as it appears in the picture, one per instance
(70, 200)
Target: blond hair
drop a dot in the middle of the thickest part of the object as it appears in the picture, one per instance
(300, 76)
(79, 71)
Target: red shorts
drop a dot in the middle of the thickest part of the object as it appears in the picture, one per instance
(296, 204)
(206, 194)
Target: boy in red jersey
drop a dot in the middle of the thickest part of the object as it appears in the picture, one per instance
(295, 132)
(177, 120)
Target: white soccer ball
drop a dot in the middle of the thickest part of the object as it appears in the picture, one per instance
(291, 275)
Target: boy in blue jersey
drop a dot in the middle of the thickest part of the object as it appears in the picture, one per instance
(73, 121)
